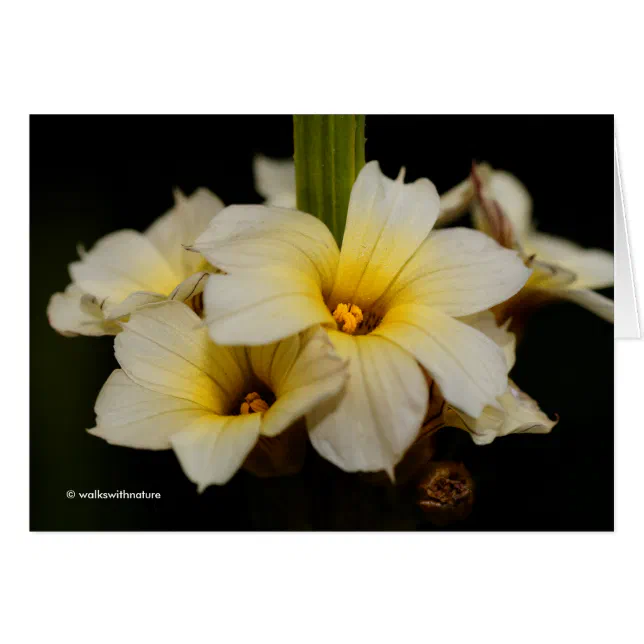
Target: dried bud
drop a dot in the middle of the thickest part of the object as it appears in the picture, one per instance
(446, 493)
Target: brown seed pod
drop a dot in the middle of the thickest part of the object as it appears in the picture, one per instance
(446, 492)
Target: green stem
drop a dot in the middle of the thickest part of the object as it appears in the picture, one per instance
(329, 154)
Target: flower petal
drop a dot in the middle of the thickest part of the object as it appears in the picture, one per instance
(459, 272)
(469, 368)
(180, 226)
(549, 275)
(456, 201)
(519, 414)
(593, 267)
(387, 221)
(275, 180)
(485, 322)
(488, 215)
(191, 286)
(271, 362)
(164, 347)
(370, 424)
(133, 302)
(316, 374)
(262, 306)
(281, 265)
(122, 263)
(214, 448)
(598, 304)
(515, 202)
(133, 416)
(76, 313)
(257, 237)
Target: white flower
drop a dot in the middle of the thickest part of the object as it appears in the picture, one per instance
(389, 300)
(127, 269)
(516, 412)
(561, 269)
(177, 389)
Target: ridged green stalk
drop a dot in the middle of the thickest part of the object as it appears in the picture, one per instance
(329, 154)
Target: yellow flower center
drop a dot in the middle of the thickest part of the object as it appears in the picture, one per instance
(348, 317)
(352, 320)
(253, 403)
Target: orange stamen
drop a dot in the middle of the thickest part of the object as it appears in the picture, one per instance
(348, 317)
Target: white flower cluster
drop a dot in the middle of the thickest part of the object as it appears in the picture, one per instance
(236, 324)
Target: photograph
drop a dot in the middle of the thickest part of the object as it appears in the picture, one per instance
(321, 323)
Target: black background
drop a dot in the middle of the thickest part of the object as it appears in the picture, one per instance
(93, 175)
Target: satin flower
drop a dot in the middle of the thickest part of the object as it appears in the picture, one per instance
(210, 404)
(390, 301)
(128, 269)
(561, 269)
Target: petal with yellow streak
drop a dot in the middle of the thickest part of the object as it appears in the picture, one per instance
(386, 222)
(374, 419)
